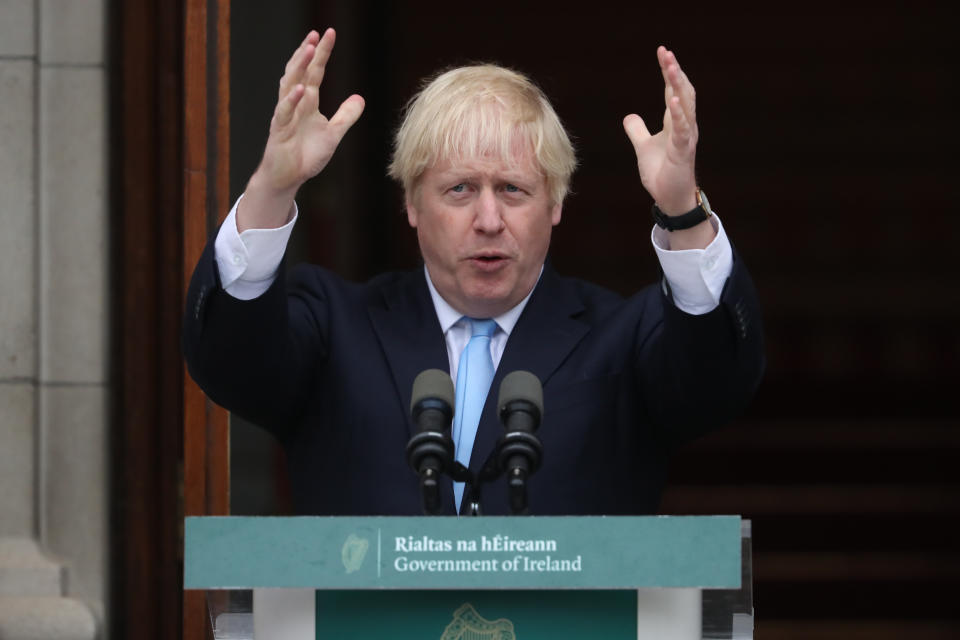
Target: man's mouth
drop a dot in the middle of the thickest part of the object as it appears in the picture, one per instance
(488, 262)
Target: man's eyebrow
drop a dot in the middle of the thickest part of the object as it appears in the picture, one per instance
(457, 173)
(468, 173)
(530, 183)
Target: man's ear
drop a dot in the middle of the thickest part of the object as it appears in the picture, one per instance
(555, 214)
(411, 210)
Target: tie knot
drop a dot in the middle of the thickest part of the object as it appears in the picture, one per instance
(482, 327)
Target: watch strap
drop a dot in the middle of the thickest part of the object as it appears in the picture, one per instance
(684, 221)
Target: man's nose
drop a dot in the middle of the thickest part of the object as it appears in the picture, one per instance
(488, 217)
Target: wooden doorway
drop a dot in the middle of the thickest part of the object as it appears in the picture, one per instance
(169, 176)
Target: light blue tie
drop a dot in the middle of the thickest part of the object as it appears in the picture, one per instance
(474, 375)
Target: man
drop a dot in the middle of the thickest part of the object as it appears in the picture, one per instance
(327, 366)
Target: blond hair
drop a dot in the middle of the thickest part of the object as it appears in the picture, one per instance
(482, 111)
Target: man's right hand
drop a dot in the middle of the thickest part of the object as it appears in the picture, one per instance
(302, 140)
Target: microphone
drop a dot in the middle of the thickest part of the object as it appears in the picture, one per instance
(430, 450)
(519, 451)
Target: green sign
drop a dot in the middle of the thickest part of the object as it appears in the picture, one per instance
(462, 553)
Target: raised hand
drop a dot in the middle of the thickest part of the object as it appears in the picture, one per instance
(302, 140)
(666, 160)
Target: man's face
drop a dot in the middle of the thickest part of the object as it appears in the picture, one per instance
(484, 229)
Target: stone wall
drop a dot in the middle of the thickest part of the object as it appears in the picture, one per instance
(54, 313)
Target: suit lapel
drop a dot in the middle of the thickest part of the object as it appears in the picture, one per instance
(542, 339)
(406, 325)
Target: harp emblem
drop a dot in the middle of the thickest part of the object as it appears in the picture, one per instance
(467, 624)
(353, 552)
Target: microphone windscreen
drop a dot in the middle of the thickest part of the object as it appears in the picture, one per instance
(432, 383)
(521, 385)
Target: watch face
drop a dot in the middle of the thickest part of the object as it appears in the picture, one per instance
(704, 203)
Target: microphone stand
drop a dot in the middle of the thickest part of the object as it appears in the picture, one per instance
(488, 473)
(430, 453)
(517, 451)
(518, 454)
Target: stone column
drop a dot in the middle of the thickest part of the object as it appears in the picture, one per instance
(53, 319)
(18, 277)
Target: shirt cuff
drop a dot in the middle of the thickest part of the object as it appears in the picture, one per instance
(248, 261)
(696, 276)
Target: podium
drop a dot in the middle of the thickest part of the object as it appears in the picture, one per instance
(497, 578)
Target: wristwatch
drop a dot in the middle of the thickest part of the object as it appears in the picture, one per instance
(689, 219)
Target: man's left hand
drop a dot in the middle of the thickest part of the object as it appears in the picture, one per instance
(666, 160)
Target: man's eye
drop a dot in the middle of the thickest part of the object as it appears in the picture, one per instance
(460, 188)
(512, 188)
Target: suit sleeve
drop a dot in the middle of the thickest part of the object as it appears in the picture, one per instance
(255, 357)
(699, 371)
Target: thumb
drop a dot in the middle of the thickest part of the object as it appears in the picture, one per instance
(636, 129)
(348, 113)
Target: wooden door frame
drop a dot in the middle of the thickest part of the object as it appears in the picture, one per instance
(206, 190)
(146, 380)
(169, 150)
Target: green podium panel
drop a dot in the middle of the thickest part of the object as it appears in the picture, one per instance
(454, 615)
(462, 553)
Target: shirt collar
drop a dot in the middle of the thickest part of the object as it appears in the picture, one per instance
(448, 316)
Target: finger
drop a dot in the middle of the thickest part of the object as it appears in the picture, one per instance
(663, 60)
(681, 131)
(315, 70)
(636, 130)
(677, 83)
(348, 113)
(293, 71)
(287, 106)
(309, 104)
(310, 41)
(294, 74)
(688, 97)
(683, 89)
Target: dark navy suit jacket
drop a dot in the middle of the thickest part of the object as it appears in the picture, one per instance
(328, 367)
